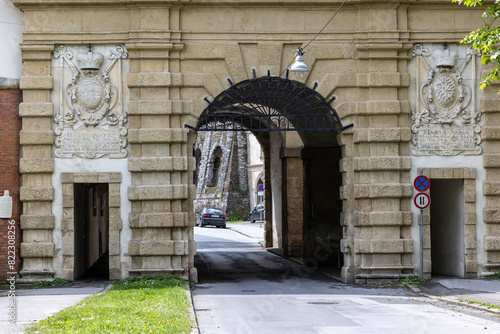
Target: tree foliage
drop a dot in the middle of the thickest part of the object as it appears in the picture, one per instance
(486, 39)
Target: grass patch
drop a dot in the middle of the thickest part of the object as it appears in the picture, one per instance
(488, 305)
(414, 280)
(56, 282)
(236, 218)
(410, 280)
(495, 275)
(152, 304)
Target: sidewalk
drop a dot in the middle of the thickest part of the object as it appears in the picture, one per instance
(479, 294)
(251, 230)
(33, 305)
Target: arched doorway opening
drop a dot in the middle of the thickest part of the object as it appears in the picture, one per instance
(297, 129)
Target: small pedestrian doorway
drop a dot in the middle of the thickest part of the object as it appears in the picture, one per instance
(91, 230)
(447, 227)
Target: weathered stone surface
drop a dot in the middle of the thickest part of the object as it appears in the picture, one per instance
(153, 220)
(491, 215)
(470, 195)
(39, 249)
(37, 222)
(142, 193)
(36, 82)
(160, 107)
(383, 218)
(43, 137)
(29, 194)
(383, 79)
(492, 244)
(36, 165)
(370, 108)
(158, 164)
(490, 133)
(449, 173)
(382, 163)
(490, 105)
(115, 224)
(150, 79)
(36, 109)
(491, 161)
(491, 188)
(114, 199)
(143, 136)
(387, 135)
(395, 190)
(152, 248)
(67, 224)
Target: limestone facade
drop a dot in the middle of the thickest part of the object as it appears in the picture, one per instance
(179, 52)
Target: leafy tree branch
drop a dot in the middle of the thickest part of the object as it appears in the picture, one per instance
(486, 39)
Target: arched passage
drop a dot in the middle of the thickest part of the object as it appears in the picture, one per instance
(302, 179)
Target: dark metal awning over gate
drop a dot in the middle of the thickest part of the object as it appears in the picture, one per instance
(269, 104)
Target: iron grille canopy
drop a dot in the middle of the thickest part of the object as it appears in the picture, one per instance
(269, 104)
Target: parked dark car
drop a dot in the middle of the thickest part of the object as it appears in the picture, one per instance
(257, 213)
(211, 216)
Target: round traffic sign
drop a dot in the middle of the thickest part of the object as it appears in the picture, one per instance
(422, 183)
(422, 200)
(261, 187)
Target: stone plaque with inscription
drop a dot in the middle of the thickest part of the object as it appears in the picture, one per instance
(446, 140)
(91, 143)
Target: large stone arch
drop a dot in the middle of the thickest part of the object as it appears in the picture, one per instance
(303, 206)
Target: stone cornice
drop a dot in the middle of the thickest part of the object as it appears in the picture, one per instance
(39, 3)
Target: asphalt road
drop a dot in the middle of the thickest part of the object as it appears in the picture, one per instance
(243, 289)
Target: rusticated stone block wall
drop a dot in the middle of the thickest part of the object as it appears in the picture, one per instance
(490, 107)
(37, 164)
(376, 188)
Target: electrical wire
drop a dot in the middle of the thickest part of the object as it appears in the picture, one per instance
(301, 50)
(327, 23)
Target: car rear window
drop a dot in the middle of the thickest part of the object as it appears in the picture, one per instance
(214, 211)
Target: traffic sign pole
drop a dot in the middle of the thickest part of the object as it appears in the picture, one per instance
(421, 243)
(422, 201)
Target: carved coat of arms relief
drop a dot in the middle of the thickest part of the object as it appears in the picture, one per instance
(90, 118)
(445, 120)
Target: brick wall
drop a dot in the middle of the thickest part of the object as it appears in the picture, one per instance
(10, 125)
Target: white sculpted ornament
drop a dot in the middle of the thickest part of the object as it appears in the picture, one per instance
(90, 120)
(447, 124)
(90, 95)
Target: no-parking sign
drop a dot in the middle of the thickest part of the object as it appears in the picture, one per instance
(422, 183)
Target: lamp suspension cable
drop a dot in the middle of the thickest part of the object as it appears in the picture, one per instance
(301, 49)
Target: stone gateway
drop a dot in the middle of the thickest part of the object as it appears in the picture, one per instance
(107, 162)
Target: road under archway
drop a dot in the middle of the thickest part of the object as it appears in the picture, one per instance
(297, 130)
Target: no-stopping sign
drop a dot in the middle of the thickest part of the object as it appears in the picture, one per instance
(422, 201)
(422, 183)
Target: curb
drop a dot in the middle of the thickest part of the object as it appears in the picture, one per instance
(452, 301)
(465, 304)
(195, 328)
(106, 289)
